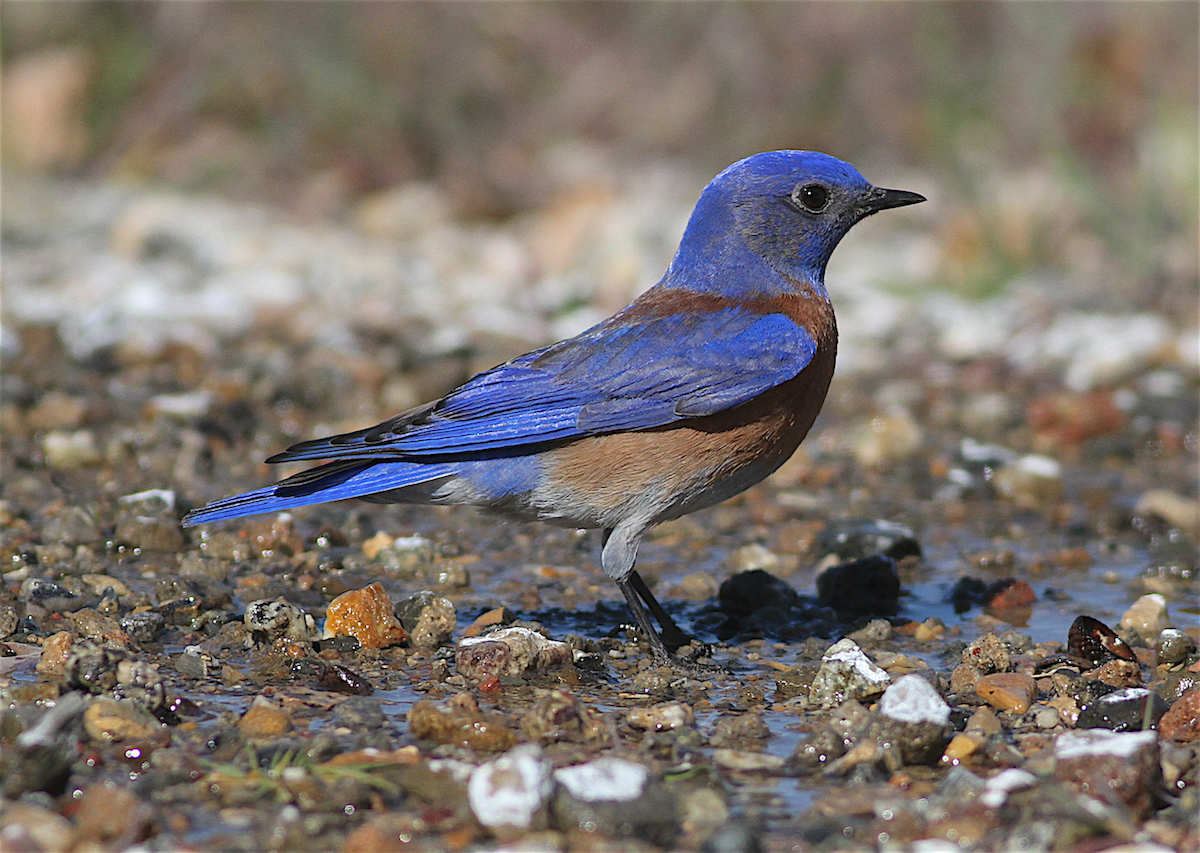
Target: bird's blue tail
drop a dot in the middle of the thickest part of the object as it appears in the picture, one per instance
(333, 482)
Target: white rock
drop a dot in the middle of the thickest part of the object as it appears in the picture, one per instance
(1003, 783)
(912, 699)
(605, 779)
(510, 790)
(1090, 742)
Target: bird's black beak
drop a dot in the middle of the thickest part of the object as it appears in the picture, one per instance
(880, 199)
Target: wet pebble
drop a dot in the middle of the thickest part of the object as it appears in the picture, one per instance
(359, 713)
(913, 716)
(148, 521)
(855, 538)
(987, 654)
(428, 617)
(614, 798)
(1108, 764)
(846, 673)
(558, 716)
(1127, 710)
(107, 720)
(264, 719)
(69, 449)
(512, 651)
(1181, 723)
(458, 720)
(278, 620)
(1007, 691)
(1174, 646)
(143, 626)
(746, 592)
(512, 791)
(366, 614)
(1148, 616)
(73, 526)
(196, 662)
(663, 717)
(865, 587)
(112, 816)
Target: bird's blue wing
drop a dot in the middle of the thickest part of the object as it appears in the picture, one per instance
(615, 377)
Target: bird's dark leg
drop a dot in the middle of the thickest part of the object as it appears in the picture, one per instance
(658, 649)
(618, 556)
(672, 635)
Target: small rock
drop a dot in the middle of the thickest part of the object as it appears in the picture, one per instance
(987, 654)
(509, 651)
(913, 717)
(746, 592)
(264, 719)
(887, 438)
(366, 614)
(73, 526)
(855, 538)
(429, 618)
(1128, 710)
(360, 714)
(557, 716)
(70, 449)
(148, 521)
(91, 625)
(194, 661)
(1174, 646)
(1007, 691)
(1148, 616)
(747, 762)
(697, 586)
(112, 816)
(846, 673)
(830, 741)
(458, 720)
(1034, 481)
(54, 653)
(144, 626)
(50, 595)
(1178, 511)
(754, 556)
(866, 587)
(615, 798)
(511, 791)
(604, 780)
(734, 730)
(407, 557)
(1182, 722)
(1111, 766)
(107, 720)
(29, 827)
(666, 716)
(488, 619)
(874, 632)
(278, 620)
(1011, 592)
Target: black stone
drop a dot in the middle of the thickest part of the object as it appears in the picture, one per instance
(866, 587)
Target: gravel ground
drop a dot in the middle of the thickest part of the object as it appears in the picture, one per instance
(962, 617)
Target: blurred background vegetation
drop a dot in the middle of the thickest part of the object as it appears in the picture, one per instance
(1053, 136)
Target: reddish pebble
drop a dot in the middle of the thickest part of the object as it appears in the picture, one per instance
(367, 615)
(1181, 723)
(1008, 691)
(490, 685)
(1014, 593)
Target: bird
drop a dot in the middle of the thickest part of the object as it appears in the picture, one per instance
(701, 387)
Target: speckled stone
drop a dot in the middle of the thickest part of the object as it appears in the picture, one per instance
(366, 614)
(509, 651)
(1111, 766)
(1182, 722)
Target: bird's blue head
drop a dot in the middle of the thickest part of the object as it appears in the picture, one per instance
(787, 209)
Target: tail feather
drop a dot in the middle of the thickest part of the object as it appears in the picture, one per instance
(333, 482)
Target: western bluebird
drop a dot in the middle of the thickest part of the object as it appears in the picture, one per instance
(701, 387)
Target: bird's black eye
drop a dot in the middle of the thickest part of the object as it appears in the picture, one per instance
(811, 197)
